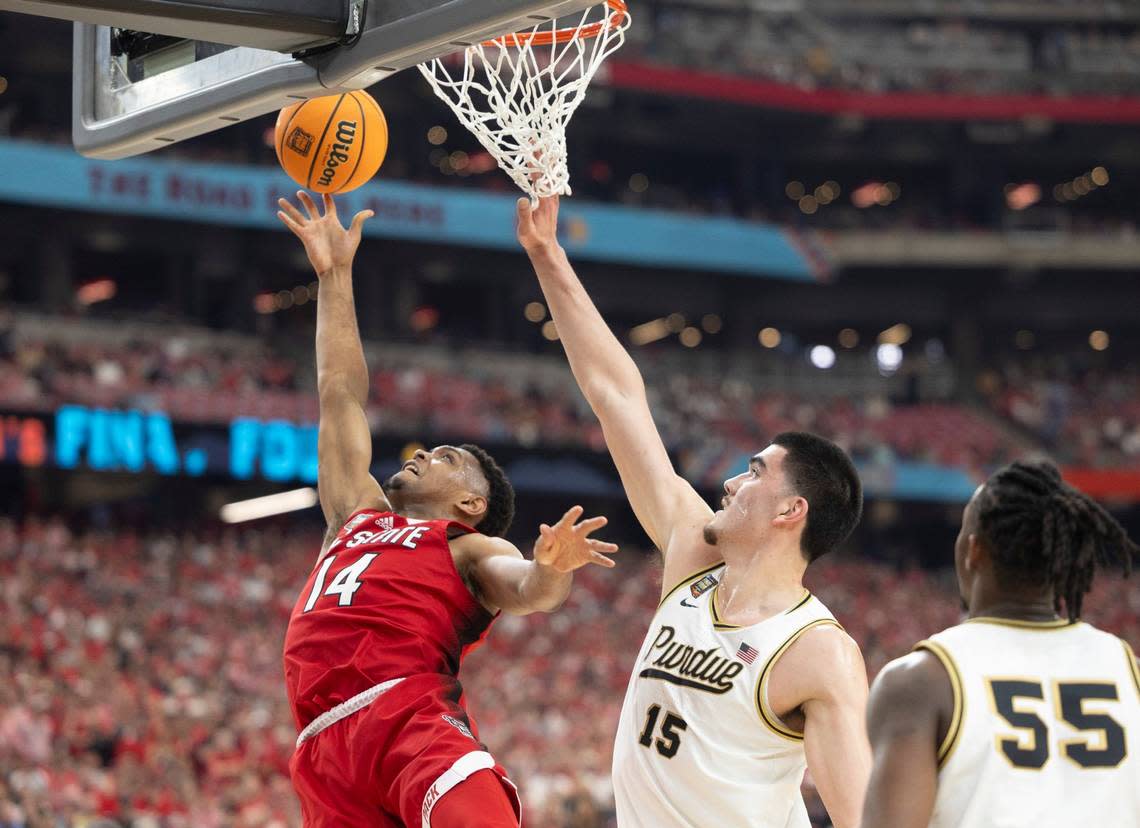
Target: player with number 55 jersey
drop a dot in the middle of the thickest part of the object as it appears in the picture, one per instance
(410, 577)
(1019, 716)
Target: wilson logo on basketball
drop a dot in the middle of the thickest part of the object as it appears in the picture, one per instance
(338, 152)
(300, 141)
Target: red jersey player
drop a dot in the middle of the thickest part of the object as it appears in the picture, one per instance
(409, 578)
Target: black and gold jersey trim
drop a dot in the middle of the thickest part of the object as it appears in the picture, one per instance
(717, 622)
(687, 581)
(1133, 667)
(724, 625)
(769, 718)
(802, 601)
(1055, 624)
(954, 731)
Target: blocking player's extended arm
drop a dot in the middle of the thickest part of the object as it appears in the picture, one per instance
(344, 442)
(824, 675)
(506, 581)
(613, 385)
(909, 702)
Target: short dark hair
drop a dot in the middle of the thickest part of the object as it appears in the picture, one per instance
(1041, 531)
(823, 474)
(500, 495)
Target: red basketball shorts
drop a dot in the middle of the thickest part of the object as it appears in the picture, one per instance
(389, 763)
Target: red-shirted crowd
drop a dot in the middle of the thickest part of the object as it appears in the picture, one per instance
(141, 675)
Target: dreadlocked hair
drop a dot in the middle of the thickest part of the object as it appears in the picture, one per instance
(500, 497)
(1043, 532)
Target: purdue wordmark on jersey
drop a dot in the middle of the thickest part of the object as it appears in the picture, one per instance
(697, 744)
(1044, 730)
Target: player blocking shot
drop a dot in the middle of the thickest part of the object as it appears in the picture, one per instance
(1021, 715)
(410, 576)
(744, 679)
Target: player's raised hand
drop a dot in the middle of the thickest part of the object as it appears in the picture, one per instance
(567, 545)
(538, 226)
(328, 244)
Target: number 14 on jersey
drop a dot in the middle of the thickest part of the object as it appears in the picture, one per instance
(344, 585)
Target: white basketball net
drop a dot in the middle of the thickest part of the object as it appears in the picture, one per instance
(516, 94)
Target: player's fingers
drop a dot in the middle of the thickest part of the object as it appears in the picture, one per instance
(603, 546)
(572, 515)
(307, 203)
(523, 211)
(330, 204)
(287, 207)
(591, 524)
(544, 530)
(358, 221)
(288, 222)
(602, 560)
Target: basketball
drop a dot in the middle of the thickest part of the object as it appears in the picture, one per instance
(332, 144)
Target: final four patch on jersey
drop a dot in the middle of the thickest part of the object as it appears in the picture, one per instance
(703, 585)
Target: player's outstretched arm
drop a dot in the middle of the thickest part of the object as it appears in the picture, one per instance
(824, 675)
(612, 384)
(344, 442)
(904, 719)
(507, 581)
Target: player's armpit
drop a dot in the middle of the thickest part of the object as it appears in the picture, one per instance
(502, 579)
(910, 699)
(824, 674)
(344, 451)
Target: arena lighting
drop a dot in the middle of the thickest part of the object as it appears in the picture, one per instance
(822, 357)
(549, 331)
(274, 504)
(648, 332)
(534, 312)
(889, 357)
(1021, 196)
(895, 335)
(265, 303)
(770, 338)
(98, 291)
(436, 135)
(1098, 340)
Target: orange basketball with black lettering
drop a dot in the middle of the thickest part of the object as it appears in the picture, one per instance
(332, 144)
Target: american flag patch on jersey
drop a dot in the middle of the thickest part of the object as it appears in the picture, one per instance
(703, 585)
(747, 654)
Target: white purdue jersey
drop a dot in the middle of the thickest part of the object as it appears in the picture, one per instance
(1046, 727)
(697, 744)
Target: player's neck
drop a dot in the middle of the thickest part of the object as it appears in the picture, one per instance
(424, 511)
(1033, 606)
(759, 587)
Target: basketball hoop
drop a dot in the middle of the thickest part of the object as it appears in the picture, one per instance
(516, 93)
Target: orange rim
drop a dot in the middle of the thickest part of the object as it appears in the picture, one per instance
(619, 10)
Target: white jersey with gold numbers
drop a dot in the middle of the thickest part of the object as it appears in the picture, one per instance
(1046, 727)
(697, 744)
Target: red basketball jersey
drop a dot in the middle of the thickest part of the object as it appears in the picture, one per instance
(385, 602)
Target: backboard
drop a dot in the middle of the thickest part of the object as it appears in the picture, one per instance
(134, 93)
